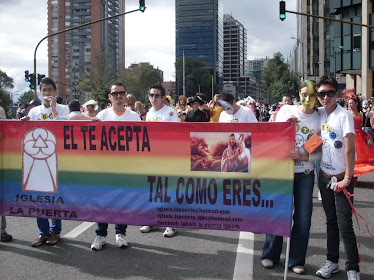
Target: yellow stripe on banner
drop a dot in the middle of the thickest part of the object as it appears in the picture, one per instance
(260, 168)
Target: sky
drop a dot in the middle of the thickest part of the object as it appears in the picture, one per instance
(150, 36)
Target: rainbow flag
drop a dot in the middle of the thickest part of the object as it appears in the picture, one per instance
(185, 175)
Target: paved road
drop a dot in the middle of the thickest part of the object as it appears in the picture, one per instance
(191, 254)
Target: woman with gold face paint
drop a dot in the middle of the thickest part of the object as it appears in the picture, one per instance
(306, 119)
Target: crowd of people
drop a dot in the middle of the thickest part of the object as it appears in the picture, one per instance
(343, 130)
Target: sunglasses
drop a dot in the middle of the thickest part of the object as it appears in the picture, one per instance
(116, 93)
(330, 93)
(152, 95)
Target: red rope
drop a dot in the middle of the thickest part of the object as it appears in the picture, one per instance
(349, 195)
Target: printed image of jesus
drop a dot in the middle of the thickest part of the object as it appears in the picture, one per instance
(221, 152)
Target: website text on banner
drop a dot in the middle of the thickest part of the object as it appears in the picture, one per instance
(192, 175)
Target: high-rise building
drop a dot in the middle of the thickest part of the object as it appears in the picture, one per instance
(338, 49)
(199, 34)
(235, 53)
(74, 54)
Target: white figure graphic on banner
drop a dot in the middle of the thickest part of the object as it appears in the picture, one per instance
(39, 161)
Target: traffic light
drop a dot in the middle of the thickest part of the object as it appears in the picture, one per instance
(40, 78)
(282, 10)
(32, 81)
(142, 5)
(27, 75)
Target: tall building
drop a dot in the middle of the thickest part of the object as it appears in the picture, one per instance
(235, 54)
(199, 34)
(333, 48)
(74, 54)
(256, 66)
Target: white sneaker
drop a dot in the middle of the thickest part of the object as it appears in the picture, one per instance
(267, 263)
(146, 229)
(121, 241)
(319, 196)
(327, 269)
(353, 275)
(298, 269)
(98, 243)
(169, 232)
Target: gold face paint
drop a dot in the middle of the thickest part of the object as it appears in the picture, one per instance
(308, 95)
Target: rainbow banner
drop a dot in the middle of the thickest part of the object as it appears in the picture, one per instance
(219, 176)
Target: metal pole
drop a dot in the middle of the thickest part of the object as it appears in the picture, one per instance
(70, 29)
(184, 76)
(212, 87)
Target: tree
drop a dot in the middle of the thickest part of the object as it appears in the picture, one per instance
(6, 83)
(138, 80)
(278, 80)
(196, 74)
(98, 80)
(26, 96)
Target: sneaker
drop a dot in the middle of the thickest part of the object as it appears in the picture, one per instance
(98, 243)
(121, 241)
(6, 237)
(39, 241)
(146, 229)
(169, 232)
(267, 263)
(319, 196)
(298, 269)
(327, 269)
(353, 275)
(53, 239)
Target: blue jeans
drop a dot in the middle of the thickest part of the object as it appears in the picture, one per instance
(102, 229)
(370, 131)
(303, 205)
(43, 225)
(3, 224)
(339, 219)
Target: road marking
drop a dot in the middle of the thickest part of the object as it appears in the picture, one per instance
(244, 256)
(78, 230)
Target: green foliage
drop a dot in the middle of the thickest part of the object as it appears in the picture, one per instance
(26, 96)
(6, 83)
(138, 80)
(196, 75)
(278, 79)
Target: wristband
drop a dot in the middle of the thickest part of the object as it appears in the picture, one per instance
(348, 177)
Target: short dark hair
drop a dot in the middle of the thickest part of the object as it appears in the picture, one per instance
(74, 106)
(228, 97)
(47, 81)
(325, 80)
(160, 87)
(119, 84)
(59, 100)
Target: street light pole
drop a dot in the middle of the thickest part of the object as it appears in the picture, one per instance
(302, 54)
(184, 76)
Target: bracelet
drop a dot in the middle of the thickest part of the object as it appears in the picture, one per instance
(348, 177)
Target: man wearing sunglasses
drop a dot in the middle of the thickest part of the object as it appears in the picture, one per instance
(117, 112)
(159, 113)
(338, 160)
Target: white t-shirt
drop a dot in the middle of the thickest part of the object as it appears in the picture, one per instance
(308, 125)
(109, 115)
(165, 114)
(42, 113)
(333, 130)
(243, 115)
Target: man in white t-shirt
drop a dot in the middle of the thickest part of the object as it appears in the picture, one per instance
(159, 113)
(233, 112)
(49, 110)
(338, 160)
(117, 112)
